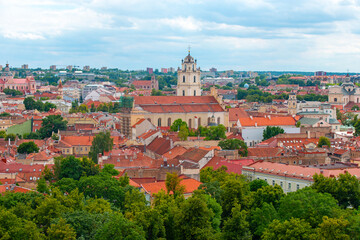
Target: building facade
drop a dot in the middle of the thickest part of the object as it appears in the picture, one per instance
(7, 80)
(188, 78)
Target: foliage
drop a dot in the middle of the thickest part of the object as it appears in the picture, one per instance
(294, 228)
(12, 92)
(183, 133)
(28, 147)
(257, 184)
(5, 114)
(236, 227)
(155, 92)
(10, 136)
(31, 104)
(232, 144)
(61, 230)
(345, 189)
(101, 143)
(355, 108)
(323, 141)
(271, 131)
(50, 124)
(175, 127)
(173, 184)
(216, 132)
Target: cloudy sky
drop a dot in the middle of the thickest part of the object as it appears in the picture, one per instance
(303, 35)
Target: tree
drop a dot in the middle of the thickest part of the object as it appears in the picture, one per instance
(268, 194)
(307, 204)
(152, 223)
(119, 228)
(2, 134)
(28, 147)
(260, 218)
(355, 108)
(216, 132)
(270, 132)
(257, 184)
(236, 227)
(232, 144)
(10, 136)
(42, 186)
(50, 124)
(155, 92)
(298, 124)
(93, 108)
(332, 229)
(12, 92)
(48, 106)
(29, 103)
(175, 127)
(294, 229)
(173, 184)
(323, 141)
(61, 230)
(183, 133)
(193, 221)
(101, 143)
(345, 189)
(70, 167)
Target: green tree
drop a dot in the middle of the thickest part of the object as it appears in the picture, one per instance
(323, 141)
(10, 136)
(61, 230)
(173, 184)
(175, 127)
(183, 133)
(51, 124)
(232, 144)
(97, 205)
(101, 143)
(332, 229)
(42, 186)
(355, 108)
(307, 204)
(345, 189)
(268, 194)
(236, 227)
(48, 106)
(119, 228)
(2, 134)
(194, 220)
(257, 184)
(92, 108)
(29, 103)
(270, 132)
(298, 124)
(28, 147)
(260, 219)
(216, 133)
(152, 223)
(70, 168)
(294, 229)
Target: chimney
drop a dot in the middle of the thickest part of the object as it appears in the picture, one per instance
(308, 134)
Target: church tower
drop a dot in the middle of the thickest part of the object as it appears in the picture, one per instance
(188, 78)
(292, 104)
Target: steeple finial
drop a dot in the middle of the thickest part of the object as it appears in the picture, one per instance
(189, 49)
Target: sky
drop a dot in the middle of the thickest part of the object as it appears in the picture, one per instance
(242, 35)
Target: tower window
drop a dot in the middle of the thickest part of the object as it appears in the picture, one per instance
(183, 78)
(194, 78)
(183, 92)
(194, 92)
(169, 122)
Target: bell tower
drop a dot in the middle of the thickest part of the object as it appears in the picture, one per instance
(292, 104)
(188, 78)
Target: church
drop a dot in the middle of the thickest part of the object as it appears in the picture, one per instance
(344, 94)
(188, 105)
(24, 85)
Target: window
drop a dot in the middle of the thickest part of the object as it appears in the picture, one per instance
(335, 99)
(194, 92)
(67, 150)
(208, 121)
(194, 79)
(183, 78)
(189, 123)
(297, 186)
(169, 122)
(183, 92)
(159, 122)
(273, 182)
(30, 178)
(281, 184)
(199, 122)
(34, 169)
(289, 186)
(265, 179)
(218, 120)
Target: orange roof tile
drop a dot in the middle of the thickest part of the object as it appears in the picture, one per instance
(190, 186)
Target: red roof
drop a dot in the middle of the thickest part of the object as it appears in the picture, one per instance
(190, 186)
(236, 113)
(267, 121)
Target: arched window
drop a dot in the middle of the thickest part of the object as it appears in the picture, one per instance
(199, 122)
(189, 123)
(183, 78)
(159, 122)
(208, 121)
(194, 79)
(169, 122)
(218, 120)
(194, 92)
(335, 99)
(183, 92)
(193, 67)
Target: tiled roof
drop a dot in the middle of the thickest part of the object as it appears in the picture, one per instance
(193, 154)
(159, 145)
(77, 140)
(264, 151)
(176, 151)
(266, 121)
(190, 186)
(236, 113)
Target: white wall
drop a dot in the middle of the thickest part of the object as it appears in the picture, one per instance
(254, 135)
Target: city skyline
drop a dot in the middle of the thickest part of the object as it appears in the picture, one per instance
(238, 35)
